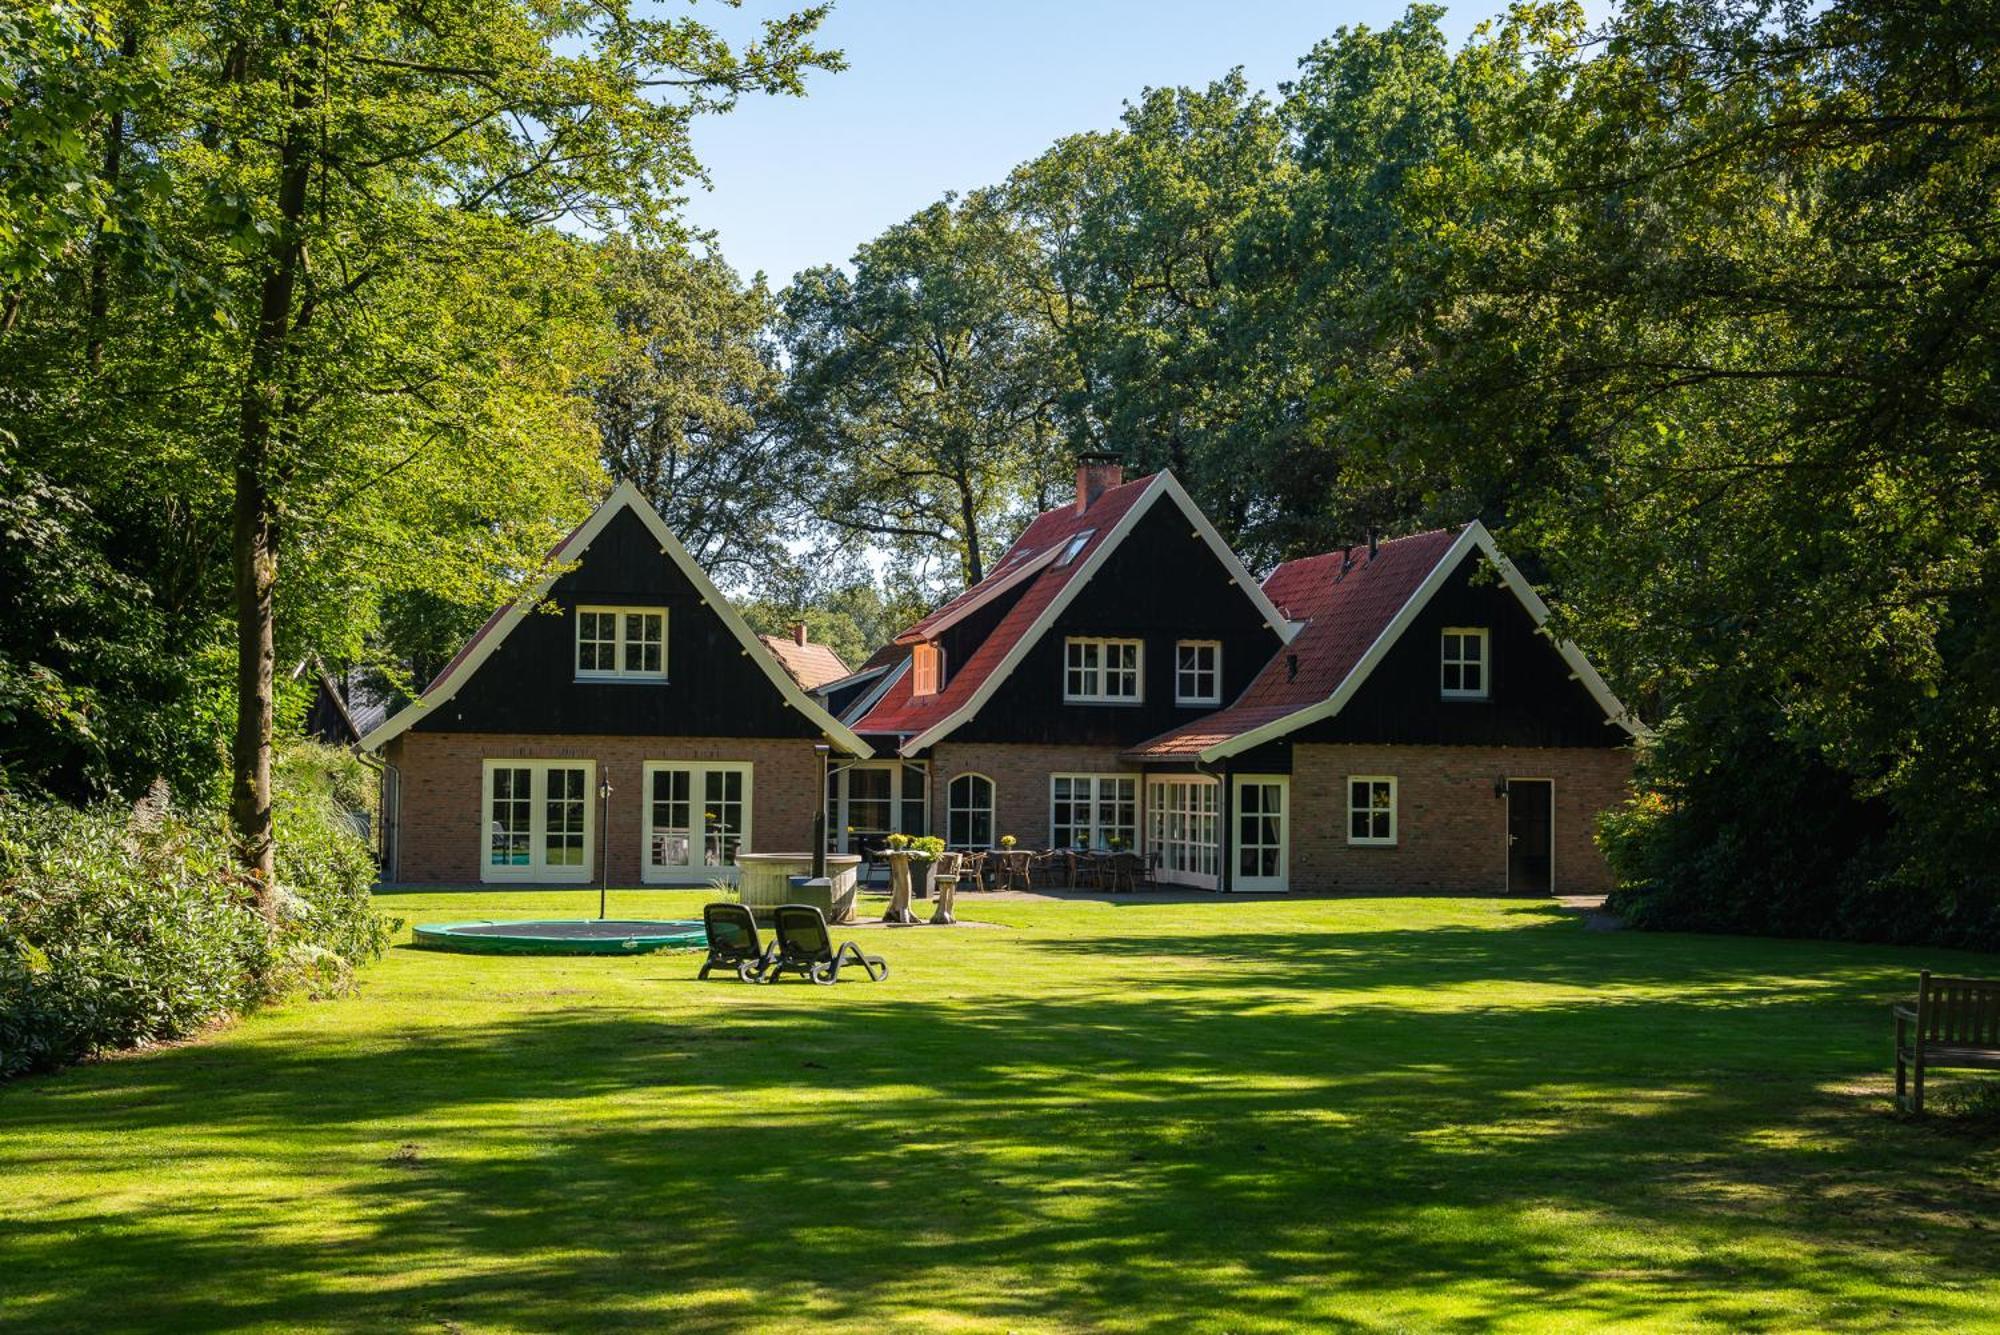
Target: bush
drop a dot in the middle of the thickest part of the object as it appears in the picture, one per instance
(120, 928)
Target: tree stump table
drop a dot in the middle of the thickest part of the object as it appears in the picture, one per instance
(947, 890)
(899, 890)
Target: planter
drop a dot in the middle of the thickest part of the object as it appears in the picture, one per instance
(764, 882)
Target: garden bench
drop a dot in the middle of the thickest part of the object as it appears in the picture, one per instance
(1955, 1024)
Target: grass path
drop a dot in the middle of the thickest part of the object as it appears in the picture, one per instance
(1371, 1115)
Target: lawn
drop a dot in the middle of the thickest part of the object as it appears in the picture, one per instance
(1391, 1114)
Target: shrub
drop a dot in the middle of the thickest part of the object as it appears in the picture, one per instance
(125, 927)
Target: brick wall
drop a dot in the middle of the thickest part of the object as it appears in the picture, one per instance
(1020, 775)
(442, 830)
(1451, 829)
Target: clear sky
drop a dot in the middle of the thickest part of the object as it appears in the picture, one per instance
(951, 94)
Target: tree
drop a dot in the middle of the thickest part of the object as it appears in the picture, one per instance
(360, 197)
(920, 386)
(689, 409)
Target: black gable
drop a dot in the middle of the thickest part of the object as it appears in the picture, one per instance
(713, 689)
(1532, 700)
(1163, 583)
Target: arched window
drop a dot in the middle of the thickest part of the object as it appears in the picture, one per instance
(969, 812)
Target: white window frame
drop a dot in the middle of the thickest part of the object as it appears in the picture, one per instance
(1281, 880)
(953, 808)
(1183, 824)
(840, 801)
(619, 644)
(1098, 673)
(1073, 548)
(926, 669)
(699, 832)
(1349, 810)
(536, 870)
(1098, 837)
(1481, 635)
(1183, 674)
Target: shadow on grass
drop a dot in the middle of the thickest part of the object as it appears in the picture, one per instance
(1204, 1141)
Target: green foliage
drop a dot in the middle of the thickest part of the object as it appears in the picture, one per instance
(128, 926)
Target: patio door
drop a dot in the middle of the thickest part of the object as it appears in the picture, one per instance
(697, 818)
(1530, 845)
(1182, 824)
(539, 818)
(871, 799)
(1261, 819)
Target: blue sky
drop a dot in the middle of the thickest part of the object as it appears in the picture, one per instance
(951, 94)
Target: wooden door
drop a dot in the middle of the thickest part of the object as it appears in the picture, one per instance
(1530, 846)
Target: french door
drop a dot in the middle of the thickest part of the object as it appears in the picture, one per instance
(697, 818)
(870, 799)
(1182, 825)
(539, 820)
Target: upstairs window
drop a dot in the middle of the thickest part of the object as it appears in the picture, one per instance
(1099, 671)
(926, 669)
(621, 643)
(1074, 547)
(1198, 672)
(1463, 663)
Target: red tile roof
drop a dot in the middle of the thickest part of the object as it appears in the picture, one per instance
(810, 665)
(900, 712)
(1345, 610)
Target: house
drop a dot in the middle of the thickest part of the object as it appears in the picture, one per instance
(1390, 717)
(620, 718)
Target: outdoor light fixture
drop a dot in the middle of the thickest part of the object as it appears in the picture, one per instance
(824, 753)
(603, 844)
(1500, 786)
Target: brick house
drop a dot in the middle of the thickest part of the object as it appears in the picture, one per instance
(625, 670)
(1385, 717)
(1389, 717)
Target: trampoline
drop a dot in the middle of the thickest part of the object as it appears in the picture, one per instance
(590, 936)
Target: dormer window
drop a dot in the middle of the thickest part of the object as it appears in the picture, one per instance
(926, 669)
(1463, 663)
(1102, 671)
(621, 643)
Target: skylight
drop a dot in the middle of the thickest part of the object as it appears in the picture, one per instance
(1075, 546)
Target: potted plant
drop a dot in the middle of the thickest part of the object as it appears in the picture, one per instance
(924, 851)
(1007, 842)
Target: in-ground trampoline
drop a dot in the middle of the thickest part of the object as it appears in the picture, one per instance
(589, 936)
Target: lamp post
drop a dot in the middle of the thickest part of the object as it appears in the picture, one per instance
(823, 752)
(603, 844)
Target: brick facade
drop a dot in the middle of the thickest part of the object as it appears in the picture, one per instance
(1451, 828)
(1020, 775)
(441, 829)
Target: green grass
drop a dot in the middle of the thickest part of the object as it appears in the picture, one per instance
(1398, 1114)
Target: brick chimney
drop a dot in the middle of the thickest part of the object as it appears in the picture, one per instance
(1096, 473)
(798, 632)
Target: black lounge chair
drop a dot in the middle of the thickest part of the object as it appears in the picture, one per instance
(804, 947)
(733, 942)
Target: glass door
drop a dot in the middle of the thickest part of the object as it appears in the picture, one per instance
(538, 818)
(697, 818)
(1181, 819)
(1260, 820)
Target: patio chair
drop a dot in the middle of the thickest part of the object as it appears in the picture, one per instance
(972, 872)
(1121, 871)
(804, 947)
(733, 942)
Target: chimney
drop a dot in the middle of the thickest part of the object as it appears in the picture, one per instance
(1374, 542)
(798, 632)
(1097, 471)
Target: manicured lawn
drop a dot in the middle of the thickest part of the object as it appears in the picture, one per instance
(1372, 1115)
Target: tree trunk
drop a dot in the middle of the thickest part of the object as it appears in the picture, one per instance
(975, 565)
(253, 540)
(100, 260)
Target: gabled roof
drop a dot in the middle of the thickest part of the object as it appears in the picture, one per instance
(503, 621)
(810, 665)
(1357, 608)
(1047, 577)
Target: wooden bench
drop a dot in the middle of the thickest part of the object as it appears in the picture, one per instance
(1954, 1024)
